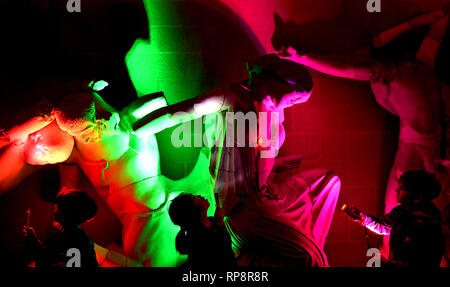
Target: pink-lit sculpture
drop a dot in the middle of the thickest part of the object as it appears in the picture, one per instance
(407, 88)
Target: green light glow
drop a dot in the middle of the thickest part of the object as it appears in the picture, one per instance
(170, 60)
(98, 86)
(145, 159)
(142, 63)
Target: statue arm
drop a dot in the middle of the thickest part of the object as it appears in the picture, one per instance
(421, 20)
(328, 66)
(101, 105)
(432, 42)
(166, 117)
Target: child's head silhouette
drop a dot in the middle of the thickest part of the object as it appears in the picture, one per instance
(74, 208)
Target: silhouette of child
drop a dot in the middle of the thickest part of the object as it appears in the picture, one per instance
(204, 240)
(71, 210)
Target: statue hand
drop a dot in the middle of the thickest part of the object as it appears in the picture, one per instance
(291, 54)
(286, 52)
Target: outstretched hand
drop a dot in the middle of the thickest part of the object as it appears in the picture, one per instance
(291, 54)
(286, 52)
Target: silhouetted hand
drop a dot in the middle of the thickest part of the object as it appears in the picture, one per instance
(355, 214)
(29, 232)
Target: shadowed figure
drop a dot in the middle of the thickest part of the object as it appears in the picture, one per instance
(414, 226)
(71, 210)
(205, 240)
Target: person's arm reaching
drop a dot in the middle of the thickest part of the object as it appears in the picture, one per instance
(327, 66)
(380, 226)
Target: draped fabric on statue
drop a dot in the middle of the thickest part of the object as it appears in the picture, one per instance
(277, 221)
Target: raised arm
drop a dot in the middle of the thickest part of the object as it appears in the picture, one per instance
(380, 226)
(210, 102)
(432, 42)
(327, 65)
(406, 26)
